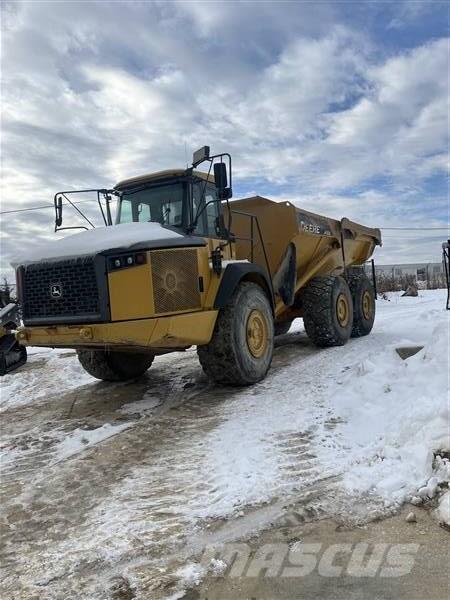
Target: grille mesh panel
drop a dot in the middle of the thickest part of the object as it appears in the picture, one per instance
(77, 281)
(175, 280)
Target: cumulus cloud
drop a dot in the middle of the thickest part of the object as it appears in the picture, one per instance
(311, 105)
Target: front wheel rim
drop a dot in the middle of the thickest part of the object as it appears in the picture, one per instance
(257, 333)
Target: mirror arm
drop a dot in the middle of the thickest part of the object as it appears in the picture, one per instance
(194, 223)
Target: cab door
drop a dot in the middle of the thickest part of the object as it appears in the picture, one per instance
(207, 225)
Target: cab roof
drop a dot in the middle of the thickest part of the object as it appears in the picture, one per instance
(147, 178)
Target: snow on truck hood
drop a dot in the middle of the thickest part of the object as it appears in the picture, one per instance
(96, 240)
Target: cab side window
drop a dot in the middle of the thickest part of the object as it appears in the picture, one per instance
(212, 211)
(207, 216)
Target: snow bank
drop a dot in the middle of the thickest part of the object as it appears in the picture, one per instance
(443, 511)
(396, 414)
(96, 240)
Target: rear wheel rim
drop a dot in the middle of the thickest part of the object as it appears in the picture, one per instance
(257, 333)
(367, 305)
(342, 310)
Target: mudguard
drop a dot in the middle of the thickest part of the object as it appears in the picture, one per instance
(234, 273)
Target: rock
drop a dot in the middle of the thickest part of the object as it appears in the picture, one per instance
(407, 351)
(411, 290)
(444, 453)
(416, 501)
(411, 518)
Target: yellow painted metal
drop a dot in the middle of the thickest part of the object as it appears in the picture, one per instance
(322, 246)
(214, 279)
(131, 292)
(167, 174)
(172, 332)
(342, 310)
(257, 333)
(367, 305)
(134, 322)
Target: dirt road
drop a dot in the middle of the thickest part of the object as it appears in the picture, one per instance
(108, 491)
(424, 546)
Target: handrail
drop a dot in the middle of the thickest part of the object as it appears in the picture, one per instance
(107, 219)
(251, 239)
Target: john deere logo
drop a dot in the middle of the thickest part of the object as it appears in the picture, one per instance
(56, 290)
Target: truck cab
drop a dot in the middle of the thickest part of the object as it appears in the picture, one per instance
(186, 201)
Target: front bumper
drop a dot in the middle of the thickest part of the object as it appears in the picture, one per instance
(160, 334)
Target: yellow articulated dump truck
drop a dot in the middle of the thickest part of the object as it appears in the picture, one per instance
(178, 265)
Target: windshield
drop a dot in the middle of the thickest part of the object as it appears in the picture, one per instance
(159, 203)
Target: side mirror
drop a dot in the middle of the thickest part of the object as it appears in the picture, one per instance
(221, 181)
(220, 176)
(58, 209)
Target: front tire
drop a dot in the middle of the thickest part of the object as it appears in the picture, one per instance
(241, 347)
(328, 311)
(111, 365)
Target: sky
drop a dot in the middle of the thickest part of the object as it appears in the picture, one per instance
(339, 107)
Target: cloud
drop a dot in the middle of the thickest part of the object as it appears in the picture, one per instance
(407, 13)
(399, 129)
(310, 104)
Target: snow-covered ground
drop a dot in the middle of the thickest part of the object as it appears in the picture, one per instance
(128, 479)
(395, 412)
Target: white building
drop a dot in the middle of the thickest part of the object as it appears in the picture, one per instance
(420, 271)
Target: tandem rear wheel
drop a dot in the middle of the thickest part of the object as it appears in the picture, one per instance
(327, 311)
(363, 297)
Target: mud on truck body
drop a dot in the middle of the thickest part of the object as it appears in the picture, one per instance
(183, 266)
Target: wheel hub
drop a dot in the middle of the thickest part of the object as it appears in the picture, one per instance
(342, 310)
(257, 333)
(367, 305)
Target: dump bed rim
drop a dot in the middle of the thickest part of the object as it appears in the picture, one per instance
(344, 224)
(358, 229)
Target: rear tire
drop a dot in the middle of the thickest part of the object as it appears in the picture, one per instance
(241, 347)
(363, 297)
(114, 366)
(328, 311)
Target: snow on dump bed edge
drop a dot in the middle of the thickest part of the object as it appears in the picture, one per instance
(96, 240)
(395, 415)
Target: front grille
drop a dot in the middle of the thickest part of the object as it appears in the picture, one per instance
(175, 280)
(63, 290)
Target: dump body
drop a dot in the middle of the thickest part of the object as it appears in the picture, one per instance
(319, 245)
